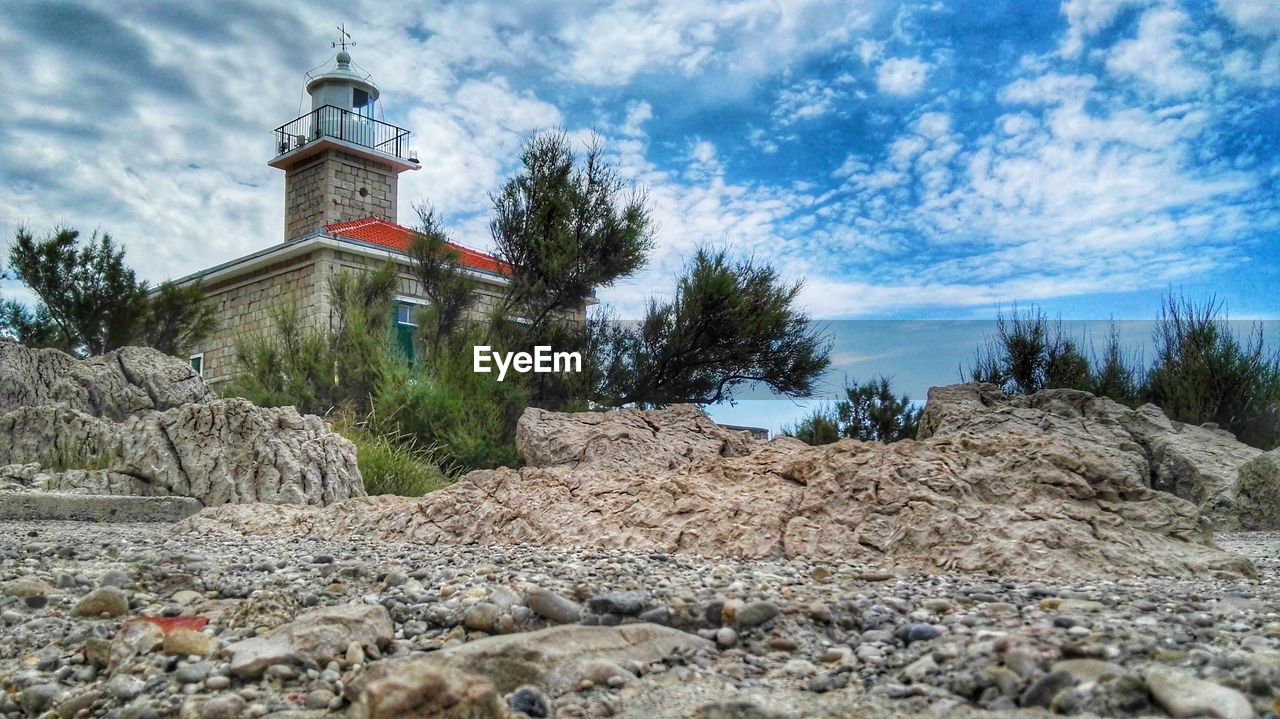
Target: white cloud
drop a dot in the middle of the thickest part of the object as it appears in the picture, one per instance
(902, 76)
(805, 100)
(1086, 18)
(1156, 55)
(1255, 17)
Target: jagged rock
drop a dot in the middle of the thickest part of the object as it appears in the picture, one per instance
(420, 688)
(219, 452)
(320, 636)
(114, 385)
(1015, 504)
(1199, 464)
(1258, 493)
(555, 659)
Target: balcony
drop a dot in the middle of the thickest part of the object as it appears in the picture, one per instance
(333, 126)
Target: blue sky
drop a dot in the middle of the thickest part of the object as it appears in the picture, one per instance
(909, 160)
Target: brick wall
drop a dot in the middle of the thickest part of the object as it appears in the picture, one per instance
(336, 186)
(244, 305)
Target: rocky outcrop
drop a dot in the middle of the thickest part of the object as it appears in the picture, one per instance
(137, 422)
(1199, 464)
(1258, 492)
(114, 386)
(1014, 504)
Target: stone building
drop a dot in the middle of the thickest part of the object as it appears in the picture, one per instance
(341, 168)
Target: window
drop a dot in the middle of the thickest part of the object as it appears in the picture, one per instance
(404, 314)
(197, 363)
(361, 104)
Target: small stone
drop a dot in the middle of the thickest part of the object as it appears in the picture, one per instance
(193, 673)
(820, 574)
(37, 698)
(799, 668)
(627, 604)
(187, 597)
(227, 706)
(218, 683)
(726, 637)
(36, 601)
(1183, 695)
(919, 669)
(125, 687)
(355, 654)
(115, 578)
(531, 702)
(319, 698)
(552, 606)
(393, 579)
(78, 703)
(111, 601)
(187, 642)
(756, 613)
(1042, 691)
(911, 633)
(482, 617)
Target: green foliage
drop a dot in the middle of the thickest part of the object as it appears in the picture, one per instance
(821, 426)
(437, 267)
(319, 369)
(1203, 372)
(90, 302)
(871, 412)
(397, 465)
(566, 225)
(1030, 353)
(470, 416)
(730, 323)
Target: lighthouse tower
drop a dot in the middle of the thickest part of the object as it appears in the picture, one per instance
(340, 162)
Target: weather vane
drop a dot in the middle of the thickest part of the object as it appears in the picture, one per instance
(344, 39)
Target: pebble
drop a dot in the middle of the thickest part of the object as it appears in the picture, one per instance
(756, 613)
(549, 605)
(108, 601)
(1183, 696)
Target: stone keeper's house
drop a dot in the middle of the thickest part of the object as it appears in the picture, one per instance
(341, 167)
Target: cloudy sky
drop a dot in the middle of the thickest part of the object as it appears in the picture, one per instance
(921, 160)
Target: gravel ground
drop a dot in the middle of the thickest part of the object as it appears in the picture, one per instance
(790, 638)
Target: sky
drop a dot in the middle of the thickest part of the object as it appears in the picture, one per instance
(916, 161)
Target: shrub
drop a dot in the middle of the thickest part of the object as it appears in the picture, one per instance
(821, 426)
(869, 412)
(1203, 372)
(398, 466)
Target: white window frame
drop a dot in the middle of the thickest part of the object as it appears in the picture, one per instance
(193, 358)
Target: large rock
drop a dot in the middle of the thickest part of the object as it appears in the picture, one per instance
(1258, 493)
(318, 636)
(1199, 464)
(1015, 504)
(460, 681)
(114, 385)
(219, 452)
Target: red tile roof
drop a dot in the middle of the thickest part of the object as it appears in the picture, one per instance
(391, 236)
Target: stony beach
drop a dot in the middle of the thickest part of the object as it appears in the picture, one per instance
(789, 638)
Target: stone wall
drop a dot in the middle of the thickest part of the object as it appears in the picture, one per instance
(336, 186)
(244, 305)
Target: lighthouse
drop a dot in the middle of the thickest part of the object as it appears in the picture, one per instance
(340, 162)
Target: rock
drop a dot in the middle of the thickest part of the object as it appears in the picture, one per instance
(1258, 493)
(553, 659)
(1008, 504)
(481, 617)
(1183, 696)
(418, 688)
(113, 386)
(125, 687)
(1199, 464)
(185, 642)
(108, 601)
(26, 587)
(1042, 691)
(626, 604)
(1088, 670)
(917, 633)
(218, 452)
(36, 699)
(754, 614)
(919, 669)
(319, 635)
(134, 638)
(726, 637)
(115, 578)
(227, 706)
(193, 673)
(531, 702)
(549, 605)
(80, 702)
